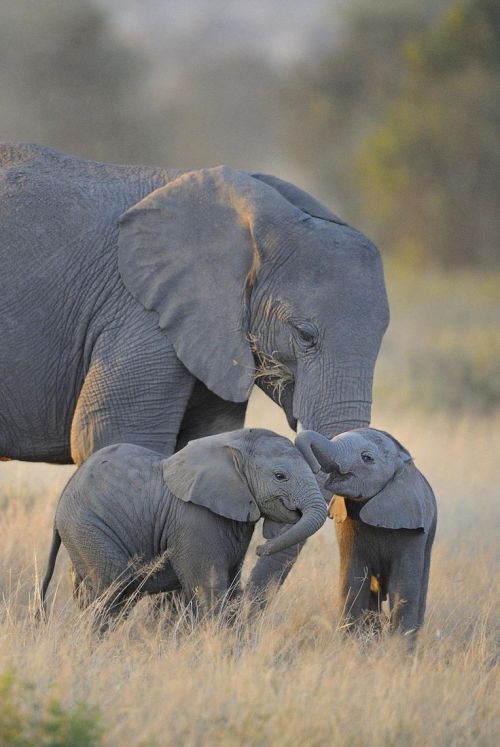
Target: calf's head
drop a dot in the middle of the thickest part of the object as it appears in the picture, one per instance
(370, 466)
(249, 473)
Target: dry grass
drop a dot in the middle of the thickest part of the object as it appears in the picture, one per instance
(270, 371)
(289, 677)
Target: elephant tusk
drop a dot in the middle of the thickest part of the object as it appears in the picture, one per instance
(300, 427)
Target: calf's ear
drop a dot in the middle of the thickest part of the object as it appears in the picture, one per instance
(207, 472)
(401, 504)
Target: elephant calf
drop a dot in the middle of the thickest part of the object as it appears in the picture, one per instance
(126, 507)
(385, 513)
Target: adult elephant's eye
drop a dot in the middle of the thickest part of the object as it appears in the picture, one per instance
(307, 335)
(367, 459)
(281, 476)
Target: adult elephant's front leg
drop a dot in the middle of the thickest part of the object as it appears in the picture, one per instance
(135, 391)
(207, 415)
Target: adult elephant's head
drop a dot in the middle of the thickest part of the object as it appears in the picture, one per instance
(254, 280)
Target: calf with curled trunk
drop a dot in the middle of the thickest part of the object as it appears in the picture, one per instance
(133, 521)
(385, 514)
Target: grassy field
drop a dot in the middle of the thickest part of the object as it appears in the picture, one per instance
(290, 677)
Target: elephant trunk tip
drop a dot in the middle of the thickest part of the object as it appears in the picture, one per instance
(314, 448)
(262, 551)
(313, 517)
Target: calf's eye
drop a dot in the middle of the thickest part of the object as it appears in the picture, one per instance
(281, 476)
(367, 459)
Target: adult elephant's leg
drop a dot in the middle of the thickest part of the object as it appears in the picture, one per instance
(207, 414)
(135, 391)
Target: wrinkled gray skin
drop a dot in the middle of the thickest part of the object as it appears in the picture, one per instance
(136, 304)
(390, 526)
(126, 505)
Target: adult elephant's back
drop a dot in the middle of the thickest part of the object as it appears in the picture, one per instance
(59, 276)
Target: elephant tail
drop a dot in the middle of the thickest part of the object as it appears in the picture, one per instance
(56, 543)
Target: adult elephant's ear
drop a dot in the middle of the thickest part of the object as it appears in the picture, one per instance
(303, 200)
(187, 251)
(404, 503)
(207, 472)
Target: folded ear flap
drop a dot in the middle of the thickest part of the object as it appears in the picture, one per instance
(401, 504)
(207, 472)
(187, 251)
(300, 199)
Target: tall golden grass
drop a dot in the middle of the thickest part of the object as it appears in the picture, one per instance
(290, 676)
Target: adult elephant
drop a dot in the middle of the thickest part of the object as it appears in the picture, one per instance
(139, 305)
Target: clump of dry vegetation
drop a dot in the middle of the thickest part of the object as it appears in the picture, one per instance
(290, 677)
(270, 372)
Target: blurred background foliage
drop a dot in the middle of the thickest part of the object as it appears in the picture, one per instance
(27, 722)
(69, 81)
(387, 111)
(405, 115)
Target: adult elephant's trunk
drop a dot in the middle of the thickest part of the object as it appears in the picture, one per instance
(345, 405)
(336, 425)
(317, 450)
(314, 512)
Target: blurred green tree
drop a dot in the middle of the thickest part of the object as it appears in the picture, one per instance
(26, 720)
(67, 80)
(404, 122)
(430, 171)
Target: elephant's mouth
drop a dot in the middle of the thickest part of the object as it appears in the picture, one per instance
(275, 378)
(287, 515)
(286, 403)
(292, 516)
(336, 479)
